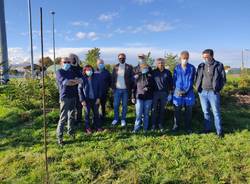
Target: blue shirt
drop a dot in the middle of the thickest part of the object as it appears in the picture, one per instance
(62, 77)
(183, 80)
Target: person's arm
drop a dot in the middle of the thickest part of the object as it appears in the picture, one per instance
(82, 97)
(170, 82)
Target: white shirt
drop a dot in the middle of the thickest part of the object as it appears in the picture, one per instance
(120, 83)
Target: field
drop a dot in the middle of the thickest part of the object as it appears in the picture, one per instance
(119, 156)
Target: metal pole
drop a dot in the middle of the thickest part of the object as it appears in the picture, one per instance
(54, 50)
(4, 62)
(242, 59)
(44, 112)
(31, 40)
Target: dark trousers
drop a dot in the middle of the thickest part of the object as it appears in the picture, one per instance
(102, 108)
(159, 103)
(78, 113)
(187, 116)
(91, 106)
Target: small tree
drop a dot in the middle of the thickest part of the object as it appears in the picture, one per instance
(47, 62)
(171, 61)
(58, 60)
(92, 56)
(150, 60)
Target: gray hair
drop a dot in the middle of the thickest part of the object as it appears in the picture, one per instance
(75, 57)
(160, 60)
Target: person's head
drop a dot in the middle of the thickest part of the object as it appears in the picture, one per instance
(75, 61)
(184, 57)
(144, 68)
(141, 58)
(208, 55)
(100, 64)
(160, 63)
(122, 58)
(65, 63)
(88, 70)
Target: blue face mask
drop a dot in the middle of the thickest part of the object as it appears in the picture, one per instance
(66, 66)
(101, 66)
(89, 73)
(144, 71)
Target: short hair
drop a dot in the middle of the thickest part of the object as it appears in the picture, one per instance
(160, 60)
(185, 53)
(64, 58)
(121, 54)
(88, 66)
(99, 59)
(209, 51)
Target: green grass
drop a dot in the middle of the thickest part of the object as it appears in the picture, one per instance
(118, 156)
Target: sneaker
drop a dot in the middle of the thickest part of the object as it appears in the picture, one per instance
(123, 123)
(221, 135)
(175, 129)
(60, 143)
(114, 122)
(153, 128)
(88, 131)
(161, 128)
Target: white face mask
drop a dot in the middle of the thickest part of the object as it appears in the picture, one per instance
(184, 61)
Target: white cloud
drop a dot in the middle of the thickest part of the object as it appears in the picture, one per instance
(143, 1)
(107, 17)
(80, 23)
(91, 36)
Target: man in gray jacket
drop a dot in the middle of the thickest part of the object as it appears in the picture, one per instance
(210, 79)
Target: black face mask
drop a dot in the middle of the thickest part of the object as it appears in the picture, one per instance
(122, 60)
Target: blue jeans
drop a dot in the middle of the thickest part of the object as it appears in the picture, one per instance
(142, 107)
(120, 94)
(211, 100)
(91, 105)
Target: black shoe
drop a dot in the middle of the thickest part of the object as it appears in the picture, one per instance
(175, 129)
(221, 135)
(60, 143)
(205, 131)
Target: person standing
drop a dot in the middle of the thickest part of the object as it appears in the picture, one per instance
(89, 95)
(163, 87)
(210, 80)
(105, 78)
(122, 83)
(67, 81)
(78, 71)
(142, 95)
(183, 97)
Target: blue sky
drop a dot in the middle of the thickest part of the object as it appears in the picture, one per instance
(133, 26)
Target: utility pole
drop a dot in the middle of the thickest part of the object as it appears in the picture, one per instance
(31, 40)
(4, 62)
(53, 30)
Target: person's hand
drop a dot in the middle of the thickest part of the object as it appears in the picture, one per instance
(97, 101)
(145, 89)
(133, 100)
(83, 103)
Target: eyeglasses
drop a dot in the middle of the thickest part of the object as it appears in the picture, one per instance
(66, 62)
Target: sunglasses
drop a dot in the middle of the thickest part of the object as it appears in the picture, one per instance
(66, 62)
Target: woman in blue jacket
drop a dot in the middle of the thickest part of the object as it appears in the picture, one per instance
(183, 80)
(89, 95)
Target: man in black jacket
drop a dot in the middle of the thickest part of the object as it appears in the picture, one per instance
(210, 79)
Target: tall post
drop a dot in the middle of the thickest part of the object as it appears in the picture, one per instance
(4, 62)
(31, 39)
(242, 59)
(43, 94)
(53, 30)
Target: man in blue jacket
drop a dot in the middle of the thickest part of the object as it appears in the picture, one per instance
(183, 81)
(89, 94)
(210, 79)
(105, 78)
(67, 81)
(163, 86)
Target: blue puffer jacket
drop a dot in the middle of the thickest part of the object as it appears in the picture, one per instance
(183, 81)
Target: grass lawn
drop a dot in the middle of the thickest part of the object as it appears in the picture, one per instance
(118, 156)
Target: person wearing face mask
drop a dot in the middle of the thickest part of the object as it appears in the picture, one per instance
(105, 78)
(89, 94)
(141, 60)
(77, 69)
(142, 95)
(122, 83)
(67, 81)
(163, 87)
(183, 97)
(210, 80)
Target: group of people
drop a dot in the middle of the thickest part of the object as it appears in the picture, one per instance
(86, 89)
